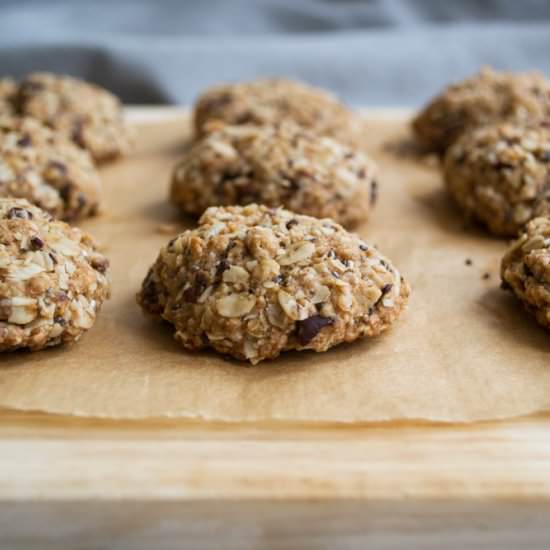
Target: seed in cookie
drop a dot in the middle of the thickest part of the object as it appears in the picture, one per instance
(485, 98)
(51, 288)
(270, 101)
(91, 116)
(47, 169)
(280, 165)
(525, 269)
(309, 284)
(498, 174)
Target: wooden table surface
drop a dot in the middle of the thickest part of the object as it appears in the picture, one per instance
(69, 482)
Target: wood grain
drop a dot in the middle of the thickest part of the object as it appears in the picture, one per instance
(87, 483)
(66, 457)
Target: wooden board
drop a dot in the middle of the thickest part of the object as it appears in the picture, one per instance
(83, 483)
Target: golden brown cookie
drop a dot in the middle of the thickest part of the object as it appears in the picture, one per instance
(500, 175)
(281, 165)
(525, 269)
(91, 116)
(252, 282)
(46, 168)
(270, 101)
(485, 98)
(53, 279)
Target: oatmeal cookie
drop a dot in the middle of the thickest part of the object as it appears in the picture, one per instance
(53, 279)
(253, 281)
(283, 165)
(500, 175)
(47, 169)
(269, 101)
(487, 97)
(525, 269)
(90, 115)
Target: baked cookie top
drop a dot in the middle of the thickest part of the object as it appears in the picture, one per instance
(484, 98)
(276, 165)
(91, 116)
(53, 278)
(500, 174)
(525, 269)
(253, 281)
(46, 168)
(270, 101)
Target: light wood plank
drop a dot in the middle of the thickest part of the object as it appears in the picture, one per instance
(66, 457)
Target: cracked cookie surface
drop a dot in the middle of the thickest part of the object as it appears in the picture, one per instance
(270, 101)
(91, 116)
(281, 165)
(47, 169)
(485, 98)
(525, 269)
(252, 282)
(53, 279)
(501, 175)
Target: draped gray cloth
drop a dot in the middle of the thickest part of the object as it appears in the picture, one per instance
(384, 53)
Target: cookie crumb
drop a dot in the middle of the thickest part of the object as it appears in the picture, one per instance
(468, 261)
(486, 276)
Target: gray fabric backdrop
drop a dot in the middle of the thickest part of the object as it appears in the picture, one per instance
(392, 52)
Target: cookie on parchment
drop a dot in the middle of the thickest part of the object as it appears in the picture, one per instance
(525, 269)
(46, 168)
(282, 165)
(252, 282)
(500, 175)
(270, 101)
(91, 116)
(485, 98)
(53, 279)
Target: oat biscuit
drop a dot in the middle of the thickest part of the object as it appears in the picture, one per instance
(500, 175)
(90, 115)
(47, 169)
(270, 101)
(53, 279)
(252, 282)
(485, 98)
(281, 165)
(525, 269)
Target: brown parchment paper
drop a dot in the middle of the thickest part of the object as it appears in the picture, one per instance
(463, 351)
